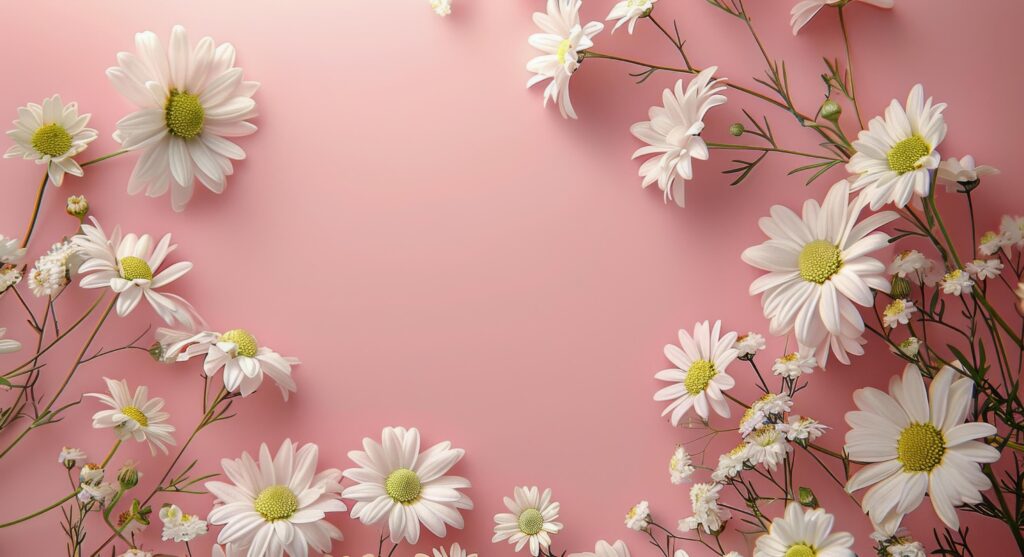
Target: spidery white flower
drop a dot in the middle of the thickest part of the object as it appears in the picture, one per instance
(898, 312)
(629, 11)
(561, 43)
(984, 269)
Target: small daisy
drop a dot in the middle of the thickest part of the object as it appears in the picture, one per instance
(179, 526)
(962, 175)
(909, 347)
(801, 533)
(804, 10)
(896, 154)
(984, 269)
(680, 466)
(101, 492)
(604, 549)
(629, 11)
(71, 457)
(908, 263)
(700, 377)
(10, 250)
(1011, 228)
(455, 551)
(530, 520)
(957, 282)
(397, 483)
(9, 276)
(561, 42)
(991, 243)
(441, 7)
(767, 445)
(8, 345)
(898, 312)
(706, 513)
(639, 517)
(802, 429)
(672, 134)
(134, 416)
(768, 406)
(51, 134)
(794, 365)
(917, 442)
(731, 463)
(748, 345)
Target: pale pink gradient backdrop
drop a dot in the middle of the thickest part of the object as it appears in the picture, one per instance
(442, 252)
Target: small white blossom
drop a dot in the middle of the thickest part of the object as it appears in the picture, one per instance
(179, 526)
(898, 312)
(71, 457)
(909, 549)
(963, 172)
(909, 347)
(1012, 230)
(767, 446)
(680, 466)
(90, 474)
(794, 365)
(9, 276)
(706, 513)
(984, 269)
(957, 282)
(10, 250)
(441, 7)
(639, 517)
(802, 429)
(102, 492)
(731, 463)
(770, 404)
(629, 11)
(748, 345)
(991, 243)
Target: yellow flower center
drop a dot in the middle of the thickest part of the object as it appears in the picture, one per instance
(135, 414)
(800, 550)
(819, 260)
(791, 357)
(699, 376)
(895, 308)
(276, 502)
(135, 268)
(244, 341)
(989, 237)
(563, 49)
(531, 522)
(403, 485)
(52, 140)
(904, 155)
(738, 449)
(920, 448)
(184, 114)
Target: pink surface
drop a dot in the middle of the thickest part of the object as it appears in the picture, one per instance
(441, 252)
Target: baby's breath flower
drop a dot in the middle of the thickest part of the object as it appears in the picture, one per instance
(680, 466)
(77, 206)
(639, 517)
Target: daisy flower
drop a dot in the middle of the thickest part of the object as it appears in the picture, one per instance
(71, 457)
(530, 520)
(908, 263)
(917, 442)
(10, 250)
(748, 345)
(561, 43)
(398, 483)
(706, 513)
(731, 463)
(243, 359)
(962, 175)
(9, 277)
(819, 269)
(802, 429)
(130, 266)
(680, 466)
(898, 312)
(804, 10)
(1011, 228)
(700, 377)
(908, 347)
(190, 100)
(277, 505)
(767, 445)
(957, 282)
(896, 153)
(441, 7)
(639, 517)
(8, 345)
(179, 526)
(984, 269)
(672, 134)
(134, 416)
(51, 134)
(629, 11)
(801, 533)
(455, 551)
(991, 243)
(604, 549)
(794, 365)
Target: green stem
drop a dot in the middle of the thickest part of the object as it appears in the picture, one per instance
(65, 333)
(65, 499)
(849, 66)
(35, 209)
(730, 146)
(105, 157)
(110, 454)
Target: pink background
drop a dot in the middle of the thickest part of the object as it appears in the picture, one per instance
(441, 252)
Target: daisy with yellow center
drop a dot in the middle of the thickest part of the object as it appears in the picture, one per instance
(898, 312)
(916, 442)
(700, 377)
(52, 134)
(629, 11)
(134, 415)
(561, 42)
(804, 533)
(530, 520)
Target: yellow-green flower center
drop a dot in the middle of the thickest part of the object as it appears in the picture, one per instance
(895, 308)
(403, 485)
(135, 268)
(52, 140)
(699, 376)
(244, 341)
(563, 49)
(819, 260)
(184, 114)
(531, 522)
(276, 502)
(920, 448)
(800, 550)
(904, 155)
(135, 414)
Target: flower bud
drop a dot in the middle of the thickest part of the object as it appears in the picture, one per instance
(128, 475)
(78, 207)
(156, 351)
(807, 498)
(831, 110)
(736, 129)
(900, 287)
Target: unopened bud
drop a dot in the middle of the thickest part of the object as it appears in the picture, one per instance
(78, 207)
(831, 110)
(128, 476)
(900, 287)
(736, 129)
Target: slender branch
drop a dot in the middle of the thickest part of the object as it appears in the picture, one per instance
(730, 146)
(105, 157)
(35, 209)
(849, 66)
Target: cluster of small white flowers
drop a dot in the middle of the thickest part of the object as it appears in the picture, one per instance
(53, 270)
(680, 466)
(768, 406)
(92, 487)
(179, 526)
(794, 365)
(639, 517)
(748, 345)
(706, 512)
(898, 312)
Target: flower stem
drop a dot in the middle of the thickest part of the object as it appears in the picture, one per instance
(35, 209)
(733, 147)
(110, 454)
(105, 157)
(63, 500)
(849, 66)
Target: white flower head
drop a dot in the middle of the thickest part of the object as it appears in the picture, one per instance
(804, 10)
(963, 174)
(909, 347)
(54, 269)
(908, 549)
(10, 276)
(672, 134)
(730, 464)
(51, 134)
(639, 517)
(908, 263)
(605, 549)
(769, 406)
(441, 7)
(802, 429)
(8, 345)
(803, 533)
(794, 365)
(10, 250)
(561, 41)
(455, 551)
(101, 492)
(135, 552)
(700, 377)
(706, 513)
(984, 269)
(680, 466)
(71, 457)
(1011, 228)
(90, 474)
(748, 345)
(531, 520)
(77, 206)
(768, 446)
(629, 11)
(957, 282)
(179, 526)
(898, 312)
(991, 243)
(134, 415)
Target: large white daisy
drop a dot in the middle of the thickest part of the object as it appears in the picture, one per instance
(699, 377)
(819, 269)
(134, 415)
(51, 134)
(917, 442)
(398, 483)
(530, 520)
(561, 41)
(605, 549)
(804, 533)
(804, 10)
(896, 154)
(190, 100)
(673, 134)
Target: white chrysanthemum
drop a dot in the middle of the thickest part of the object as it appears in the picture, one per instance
(190, 100)
(455, 551)
(237, 352)
(277, 505)
(804, 10)
(984, 269)
(9, 276)
(748, 345)
(803, 533)
(769, 406)
(672, 134)
(805, 429)
(134, 416)
(179, 526)
(794, 365)
(605, 549)
(957, 282)
(767, 445)
(700, 377)
(908, 263)
(639, 517)
(957, 174)
(561, 42)
(399, 484)
(53, 270)
(629, 11)
(819, 269)
(130, 266)
(441, 7)
(680, 466)
(706, 513)
(917, 442)
(51, 134)
(731, 463)
(530, 520)
(71, 457)
(10, 250)
(8, 345)
(898, 312)
(896, 153)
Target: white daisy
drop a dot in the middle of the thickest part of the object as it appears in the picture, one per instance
(706, 513)
(794, 365)
(700, 377)
(10, 250)
(1012, 230)
(629, 11)
(51, 134)
(960, 175)
(441, 7)
(604, 549)
(71, 457)
(561, 42)
(917, 442)
(530, 520)
(802, 429)
(9, 276)
(896, 153)
(767, 445)
(134, 416)
(748, 345)
(957, 282)
(804, 10)
(672, 134)
(801, 533)
(898, 312)
(770, 405)
(399, 484)
(130, 266)
(190, 100)
(731, 463)
(455, 551)
(991, 243)
(908, 263)
(639, 517)
(909, 347)
(277, 505)
(984, 269)
(243, 359)
(179, 526)
(819, 269)
(8, 345)
(680, 466)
